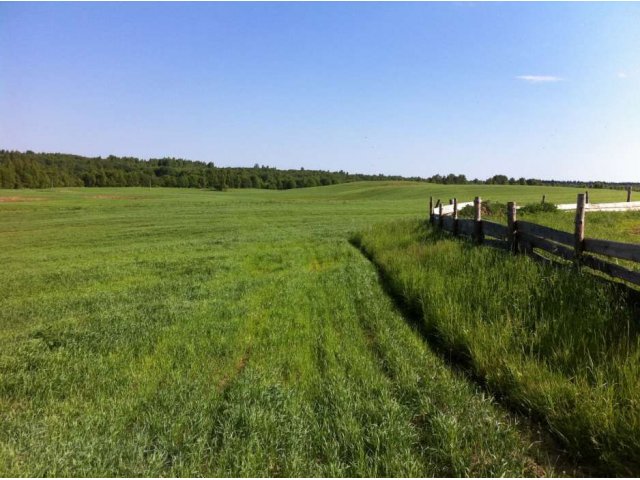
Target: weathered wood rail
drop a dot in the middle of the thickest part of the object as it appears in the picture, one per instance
(603, 207)
(524, 237)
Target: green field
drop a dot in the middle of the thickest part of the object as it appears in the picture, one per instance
(184, 332)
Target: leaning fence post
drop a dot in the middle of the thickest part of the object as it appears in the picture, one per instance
(455, 216)
(586, 197)
(477, 205)
(543, 198)
(440, 220)
(511, 221)
(579, 227)
(430, 209)
(628, 194)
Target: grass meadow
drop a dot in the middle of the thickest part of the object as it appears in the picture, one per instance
(175, 332)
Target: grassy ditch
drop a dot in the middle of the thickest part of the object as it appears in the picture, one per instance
(559, 344)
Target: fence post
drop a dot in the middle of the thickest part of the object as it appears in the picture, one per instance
(628, 194)
(477, 205)
(586, 197)
(431, 209)
(579, 227)
(450, 201)
(440, 220)
(543, 198)
(511, 220)
(455, 216)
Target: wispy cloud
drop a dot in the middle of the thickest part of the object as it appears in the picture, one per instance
(539, 78)
(622, 75)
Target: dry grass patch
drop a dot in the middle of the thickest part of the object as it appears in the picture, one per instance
(20, 199)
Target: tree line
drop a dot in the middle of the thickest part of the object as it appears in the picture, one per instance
(46, 170)
(453, 179)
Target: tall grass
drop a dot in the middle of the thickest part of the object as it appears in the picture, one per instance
(557, 343)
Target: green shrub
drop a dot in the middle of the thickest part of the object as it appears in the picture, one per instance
(539, 208)
(489, 209)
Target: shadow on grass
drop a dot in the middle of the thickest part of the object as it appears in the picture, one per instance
(459, 359)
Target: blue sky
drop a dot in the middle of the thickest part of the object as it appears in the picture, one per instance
(541, 90)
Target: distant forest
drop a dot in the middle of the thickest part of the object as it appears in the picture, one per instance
(46, 170)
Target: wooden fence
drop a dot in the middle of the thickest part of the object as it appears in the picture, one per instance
(589, 207)
(523, 237)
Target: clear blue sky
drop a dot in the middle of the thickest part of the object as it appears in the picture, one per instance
(535, 90)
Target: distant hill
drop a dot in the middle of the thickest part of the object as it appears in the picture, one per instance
(44, 170)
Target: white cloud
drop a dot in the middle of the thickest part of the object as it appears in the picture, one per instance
(622, 75)
(539, 78)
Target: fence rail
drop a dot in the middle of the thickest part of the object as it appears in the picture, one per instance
(523, 237)
(495, 230)
(603, 207)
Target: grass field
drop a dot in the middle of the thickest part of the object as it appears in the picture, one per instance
(184, 332)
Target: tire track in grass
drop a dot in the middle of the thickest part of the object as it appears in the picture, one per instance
(365, 433)
(192, 393)
(262, 423)
(238, 368)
